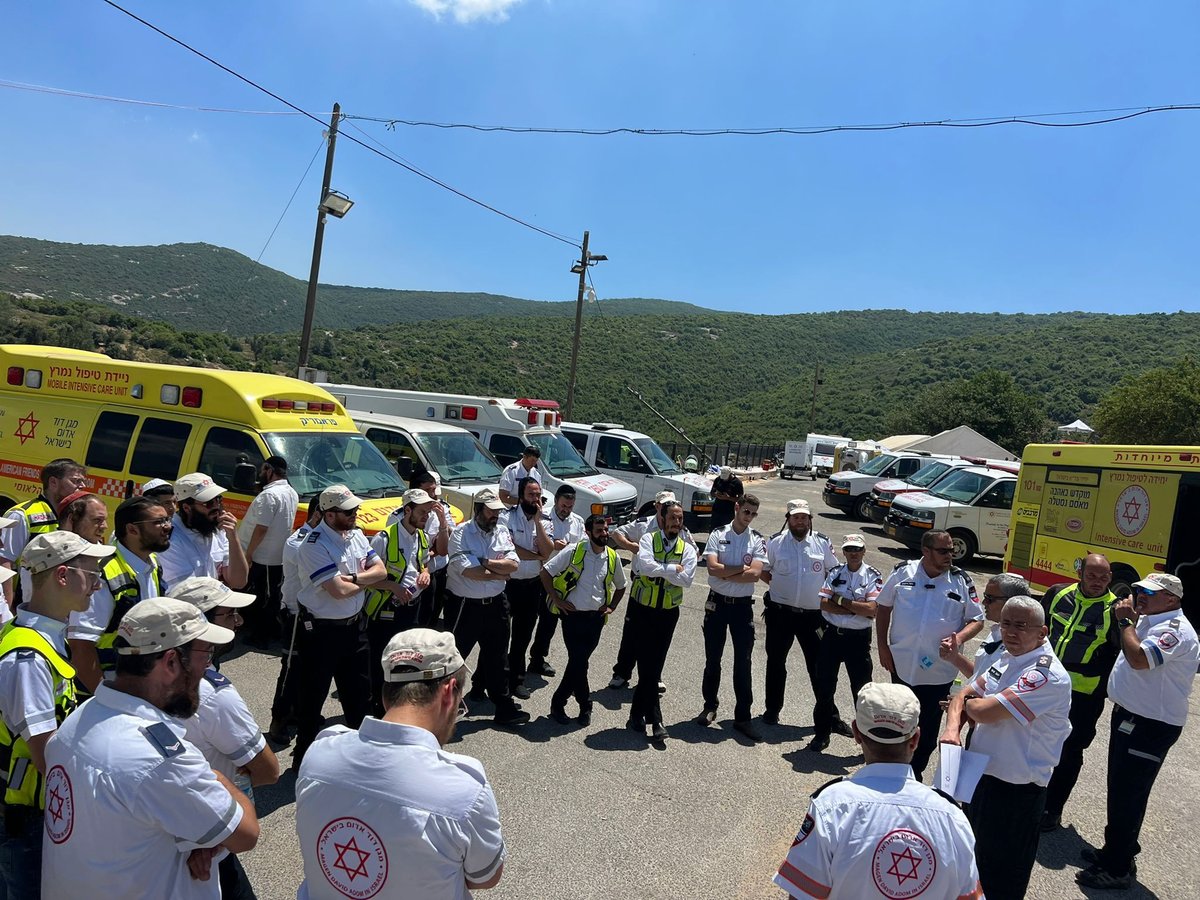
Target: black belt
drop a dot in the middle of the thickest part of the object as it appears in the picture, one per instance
(482, 601)
(732, 601)
(837, 629)
(341, 623)
(775, 604)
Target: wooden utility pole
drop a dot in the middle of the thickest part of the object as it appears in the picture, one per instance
(812, 418)
(310, 302)
(585, 259)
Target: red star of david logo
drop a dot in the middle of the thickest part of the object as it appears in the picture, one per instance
(908, 860)
(358, 868)
(1133, 511)
(27, 422)
(55, 806)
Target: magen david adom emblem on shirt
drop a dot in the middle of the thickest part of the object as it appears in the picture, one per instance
(353, 858)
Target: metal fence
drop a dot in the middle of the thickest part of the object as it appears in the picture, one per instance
(733, 453)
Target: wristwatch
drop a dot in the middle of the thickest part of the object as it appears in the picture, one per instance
(354, 577)
(1125, 623)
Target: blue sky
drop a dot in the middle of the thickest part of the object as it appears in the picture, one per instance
(1008, 218)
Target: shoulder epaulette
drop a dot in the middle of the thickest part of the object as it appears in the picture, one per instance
(955, 570)
(990, 647)
(827, 784)
(164, 740)
(216, 679)
(313, 536)
(821, 536)
(898, 565)
(945, 796)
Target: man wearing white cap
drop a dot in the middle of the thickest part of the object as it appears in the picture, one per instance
(128, 800)
(223, 728)
(880, 832)
(37, 692)
(798, 561)
(337, 565)
(203, 536)
(161, 490)
(385, 811)
(727, 490)
(438, 528)
(1149, 687)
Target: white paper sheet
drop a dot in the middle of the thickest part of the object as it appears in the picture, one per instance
(959, 771)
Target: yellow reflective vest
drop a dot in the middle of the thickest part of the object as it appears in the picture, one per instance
(396, 564)
(568, 579)
(126, 591)
(40, 518)
(655, 592)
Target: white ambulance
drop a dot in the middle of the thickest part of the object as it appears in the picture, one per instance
(505, 427)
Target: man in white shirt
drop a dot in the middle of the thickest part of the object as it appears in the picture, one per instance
(585, 582)
(385, 811)
(528, 524)
(926, 606)
(880, 832)
(735, 555)
(203, 536)
(60, 477)
(564, 526)
(267, 524)
(525, 467)
(1149, 686)
(1020, 705)
(128, 799)
(438, 528)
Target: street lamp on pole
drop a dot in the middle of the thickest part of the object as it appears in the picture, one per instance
(581, 266)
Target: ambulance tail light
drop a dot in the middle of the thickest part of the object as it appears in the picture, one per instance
(287, 405)
(31, 378)
(168, 394)
(470, 413)
(270, 404)
(558, 418)
(16, 376)
(532, 417)
(327, 407)
(300, 405)
(193, 397)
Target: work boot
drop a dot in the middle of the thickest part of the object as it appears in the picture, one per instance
(747, 729)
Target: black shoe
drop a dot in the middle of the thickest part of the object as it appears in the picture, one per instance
(1091, 855)
(658, 732)
(707, 717)
(521, 692)
(818, 743)
(560, 716)
(618, 683)
(585, 716)
(840, 727)
(1099, 877)
(662, 688)
(541, 667)
(1050, 822)
(771, 717)
(637, 724)
(748, 730)
(511, 717)
(278, 732)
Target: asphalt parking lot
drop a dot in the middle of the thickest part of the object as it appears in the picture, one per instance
(599, 812)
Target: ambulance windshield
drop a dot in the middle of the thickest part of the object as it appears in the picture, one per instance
(457, 456)
(559, 456)
(662, 463)
(316, 461)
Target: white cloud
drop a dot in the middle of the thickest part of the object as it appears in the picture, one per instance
(468, 10)
(195, 137)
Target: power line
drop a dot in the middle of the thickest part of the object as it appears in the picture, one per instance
(290, 199)
(348, 137)
(85, 95)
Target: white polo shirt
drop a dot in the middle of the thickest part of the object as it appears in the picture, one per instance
(433, 527)
(881, 833)
(469, 546)
(127, 799)
(799, 568)
(569, 529)
(1161, 691)
(733, 549)
(925, 611)
(385, 812)
(292, 580)
(1036, 690)
(589, 594)
(223, 728)
(192, 553)
(275, 507)
(26, 682)
(524, 532)
(325, 554)
(91, 623)
(864, 584)
(514, 472)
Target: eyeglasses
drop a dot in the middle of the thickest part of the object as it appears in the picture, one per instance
(1145, 593)
(232, 614)
(992, 598)
(854, 549)
(942, 551)
(206, 653)
(215, 503)
(157, 523)
(92, 575)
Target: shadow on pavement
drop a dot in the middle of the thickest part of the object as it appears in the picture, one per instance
(270, 797)
(804, 761)
(616, 739)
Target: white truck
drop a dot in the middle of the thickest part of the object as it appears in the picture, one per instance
(797, 459)
(824, 448)
(636, 458)
(505, 426)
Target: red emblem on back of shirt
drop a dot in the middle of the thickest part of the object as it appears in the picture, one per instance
(904, 864)
(60, 805)
(352, 858)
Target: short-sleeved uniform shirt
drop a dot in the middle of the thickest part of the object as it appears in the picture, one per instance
(1035, 689)
(589, 593)
(799, 568)
(384, 811)
(292, 580)
(1161, 691)
(524, 533)
(12, 544)
(880, 833)
(733, 549)
(325, 554)
(433, 527)
(127, 799)
(26, 682)
(925, 611)
(569, 529)
(469, 546)
(275, 507)
(514, 472)
(92, 622)
(223, 728)
(864, 584)
(192, 553)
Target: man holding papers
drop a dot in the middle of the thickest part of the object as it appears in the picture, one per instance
(1019, 703)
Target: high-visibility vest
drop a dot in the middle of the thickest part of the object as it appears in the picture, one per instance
(123, 584)
(40, 518)
(655, 592)
(396, 565)
(1082, 637)
(25, 786)
(568, 579)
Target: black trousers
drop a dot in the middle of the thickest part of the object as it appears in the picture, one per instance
(486, 623)
(581, 635)
(546, 625)
(333, 650)
(1005, 819)
(234, 883)
(930, 696)
(839, 646)
(388, 622)
(1085, 715)
(525, 597)
(1137, 747)
(738, 619)
(786, 624)
(287, 686)
(652, 630)
(266, 583)
(431, 601)
(627, 652)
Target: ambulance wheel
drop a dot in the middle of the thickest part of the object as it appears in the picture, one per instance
(862, 509)
(964, 546)
(1123, 578)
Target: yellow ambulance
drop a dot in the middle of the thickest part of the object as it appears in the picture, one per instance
(1138, 505)
(129, 422)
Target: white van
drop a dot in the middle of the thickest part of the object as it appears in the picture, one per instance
(505, 427)
(850, 491)
(636, 458)
(824, 448)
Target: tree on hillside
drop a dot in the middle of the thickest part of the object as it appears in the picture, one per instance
(1160, 406)
(989, 401)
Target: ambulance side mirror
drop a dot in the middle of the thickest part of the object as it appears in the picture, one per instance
(245, 478)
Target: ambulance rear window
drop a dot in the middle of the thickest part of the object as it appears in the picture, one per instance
(110, 441)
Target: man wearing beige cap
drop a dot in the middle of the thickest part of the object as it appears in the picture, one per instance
(132, 808)
(203, 535)
(880, 832)
(37, 691)
(337, 565)
(1149, 686)
(385, 811)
